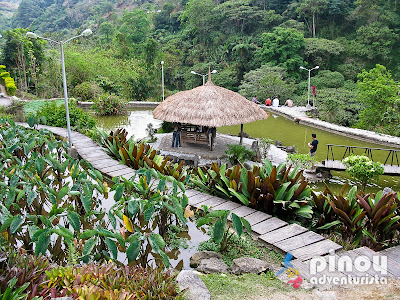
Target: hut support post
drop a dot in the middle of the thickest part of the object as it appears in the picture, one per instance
(241, 134)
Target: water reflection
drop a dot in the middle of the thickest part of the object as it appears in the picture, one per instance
(134, 122)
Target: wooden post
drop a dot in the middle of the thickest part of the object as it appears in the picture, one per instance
(241, 134)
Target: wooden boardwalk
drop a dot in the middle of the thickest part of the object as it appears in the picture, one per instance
(338, 166)
(303, 244)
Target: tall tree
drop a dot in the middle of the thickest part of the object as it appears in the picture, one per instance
(313, 7)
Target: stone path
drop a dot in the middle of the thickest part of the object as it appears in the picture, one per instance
(304, 245)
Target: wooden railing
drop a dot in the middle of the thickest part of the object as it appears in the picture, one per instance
(392, 153)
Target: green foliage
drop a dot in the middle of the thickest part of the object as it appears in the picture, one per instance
(238, 153)
(221, 234)
(378, 92)
(112, 281)
(267, 81)
(283, 47)
(323, 52)
(86, 91)
(109, 104)
(53, 114)
(8, 81)
(264, 145)
(339, 106)
(363, 220)
(274, 190)
(363, 168)
(303, 161)
(139, 155)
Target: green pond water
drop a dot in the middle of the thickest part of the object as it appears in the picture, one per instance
(274, 127)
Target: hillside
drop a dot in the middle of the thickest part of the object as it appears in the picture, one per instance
(7, 11)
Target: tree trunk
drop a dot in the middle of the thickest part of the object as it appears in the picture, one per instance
(313, 24)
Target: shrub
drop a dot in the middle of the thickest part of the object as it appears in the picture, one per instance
(109, 104)
(303, 161)
(166, 127)
(9, 83)
(55, 115)
(264, 146)
(86, 91)
(238, 153)
(362, 168)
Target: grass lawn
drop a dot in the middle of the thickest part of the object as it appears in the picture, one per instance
(250, 286)
(33, 106)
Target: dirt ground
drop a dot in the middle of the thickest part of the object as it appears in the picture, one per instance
(391, 290)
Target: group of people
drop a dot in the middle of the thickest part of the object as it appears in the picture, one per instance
(274, 103)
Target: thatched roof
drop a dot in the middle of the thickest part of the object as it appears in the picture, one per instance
(209, 105)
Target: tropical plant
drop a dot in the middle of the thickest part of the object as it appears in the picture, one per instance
(86, 91)
(238, 153)
(151, 131)
(303, 161)
(221, 233)
(55, 115)
(138, 155)
(363, 168)
(363, 220)
(264, 145)
(275, 190)
(109, 104)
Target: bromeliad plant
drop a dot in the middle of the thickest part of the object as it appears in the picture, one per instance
(274, 190)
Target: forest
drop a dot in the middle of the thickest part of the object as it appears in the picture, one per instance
(256, 46)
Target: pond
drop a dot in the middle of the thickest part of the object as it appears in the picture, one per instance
(274, 127)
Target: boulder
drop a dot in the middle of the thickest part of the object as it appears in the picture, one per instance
(213, 265)
(199, 256)
(196, 289)
(246, 265)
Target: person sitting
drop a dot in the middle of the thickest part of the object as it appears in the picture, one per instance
(268, 102)
(289, 103)
(255, 100)
(275, 102)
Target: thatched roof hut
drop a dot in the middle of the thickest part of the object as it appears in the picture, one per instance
(209, 105)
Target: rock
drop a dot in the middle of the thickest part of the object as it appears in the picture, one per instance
(199, 256)
(291, 149)
(387, 190)
(278, 143)
(246, 265)
(197, 290)
(213, 265)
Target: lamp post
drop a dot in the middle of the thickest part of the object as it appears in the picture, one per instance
(86, 32)
(309, 75)
(162, 79)
(204, 76)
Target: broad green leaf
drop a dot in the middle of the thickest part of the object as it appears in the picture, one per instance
(16, 223)
(157, 242)
(64, 232)
(89, 245)
(237, 223)
(74, 220)
(281, 191)
(165, 259)
(63, 191)
(219, 230)
(133, 207)
(112, 247)
(149, 213)
(246, 224)
(74, 193)
(42, 243)
(119, 191)
(241, 197)
(133, 250)
(202, 221)
(112, 219)
(329, 225)
(87, 234)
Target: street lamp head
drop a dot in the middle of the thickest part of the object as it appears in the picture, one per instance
(193, 72)
(162, 62)
(86, 32)
(31, 35)
(301, 67)
(213, 71)
(316, 67)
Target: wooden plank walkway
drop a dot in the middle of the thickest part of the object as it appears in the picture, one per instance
(304, 245)
(338, 166)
